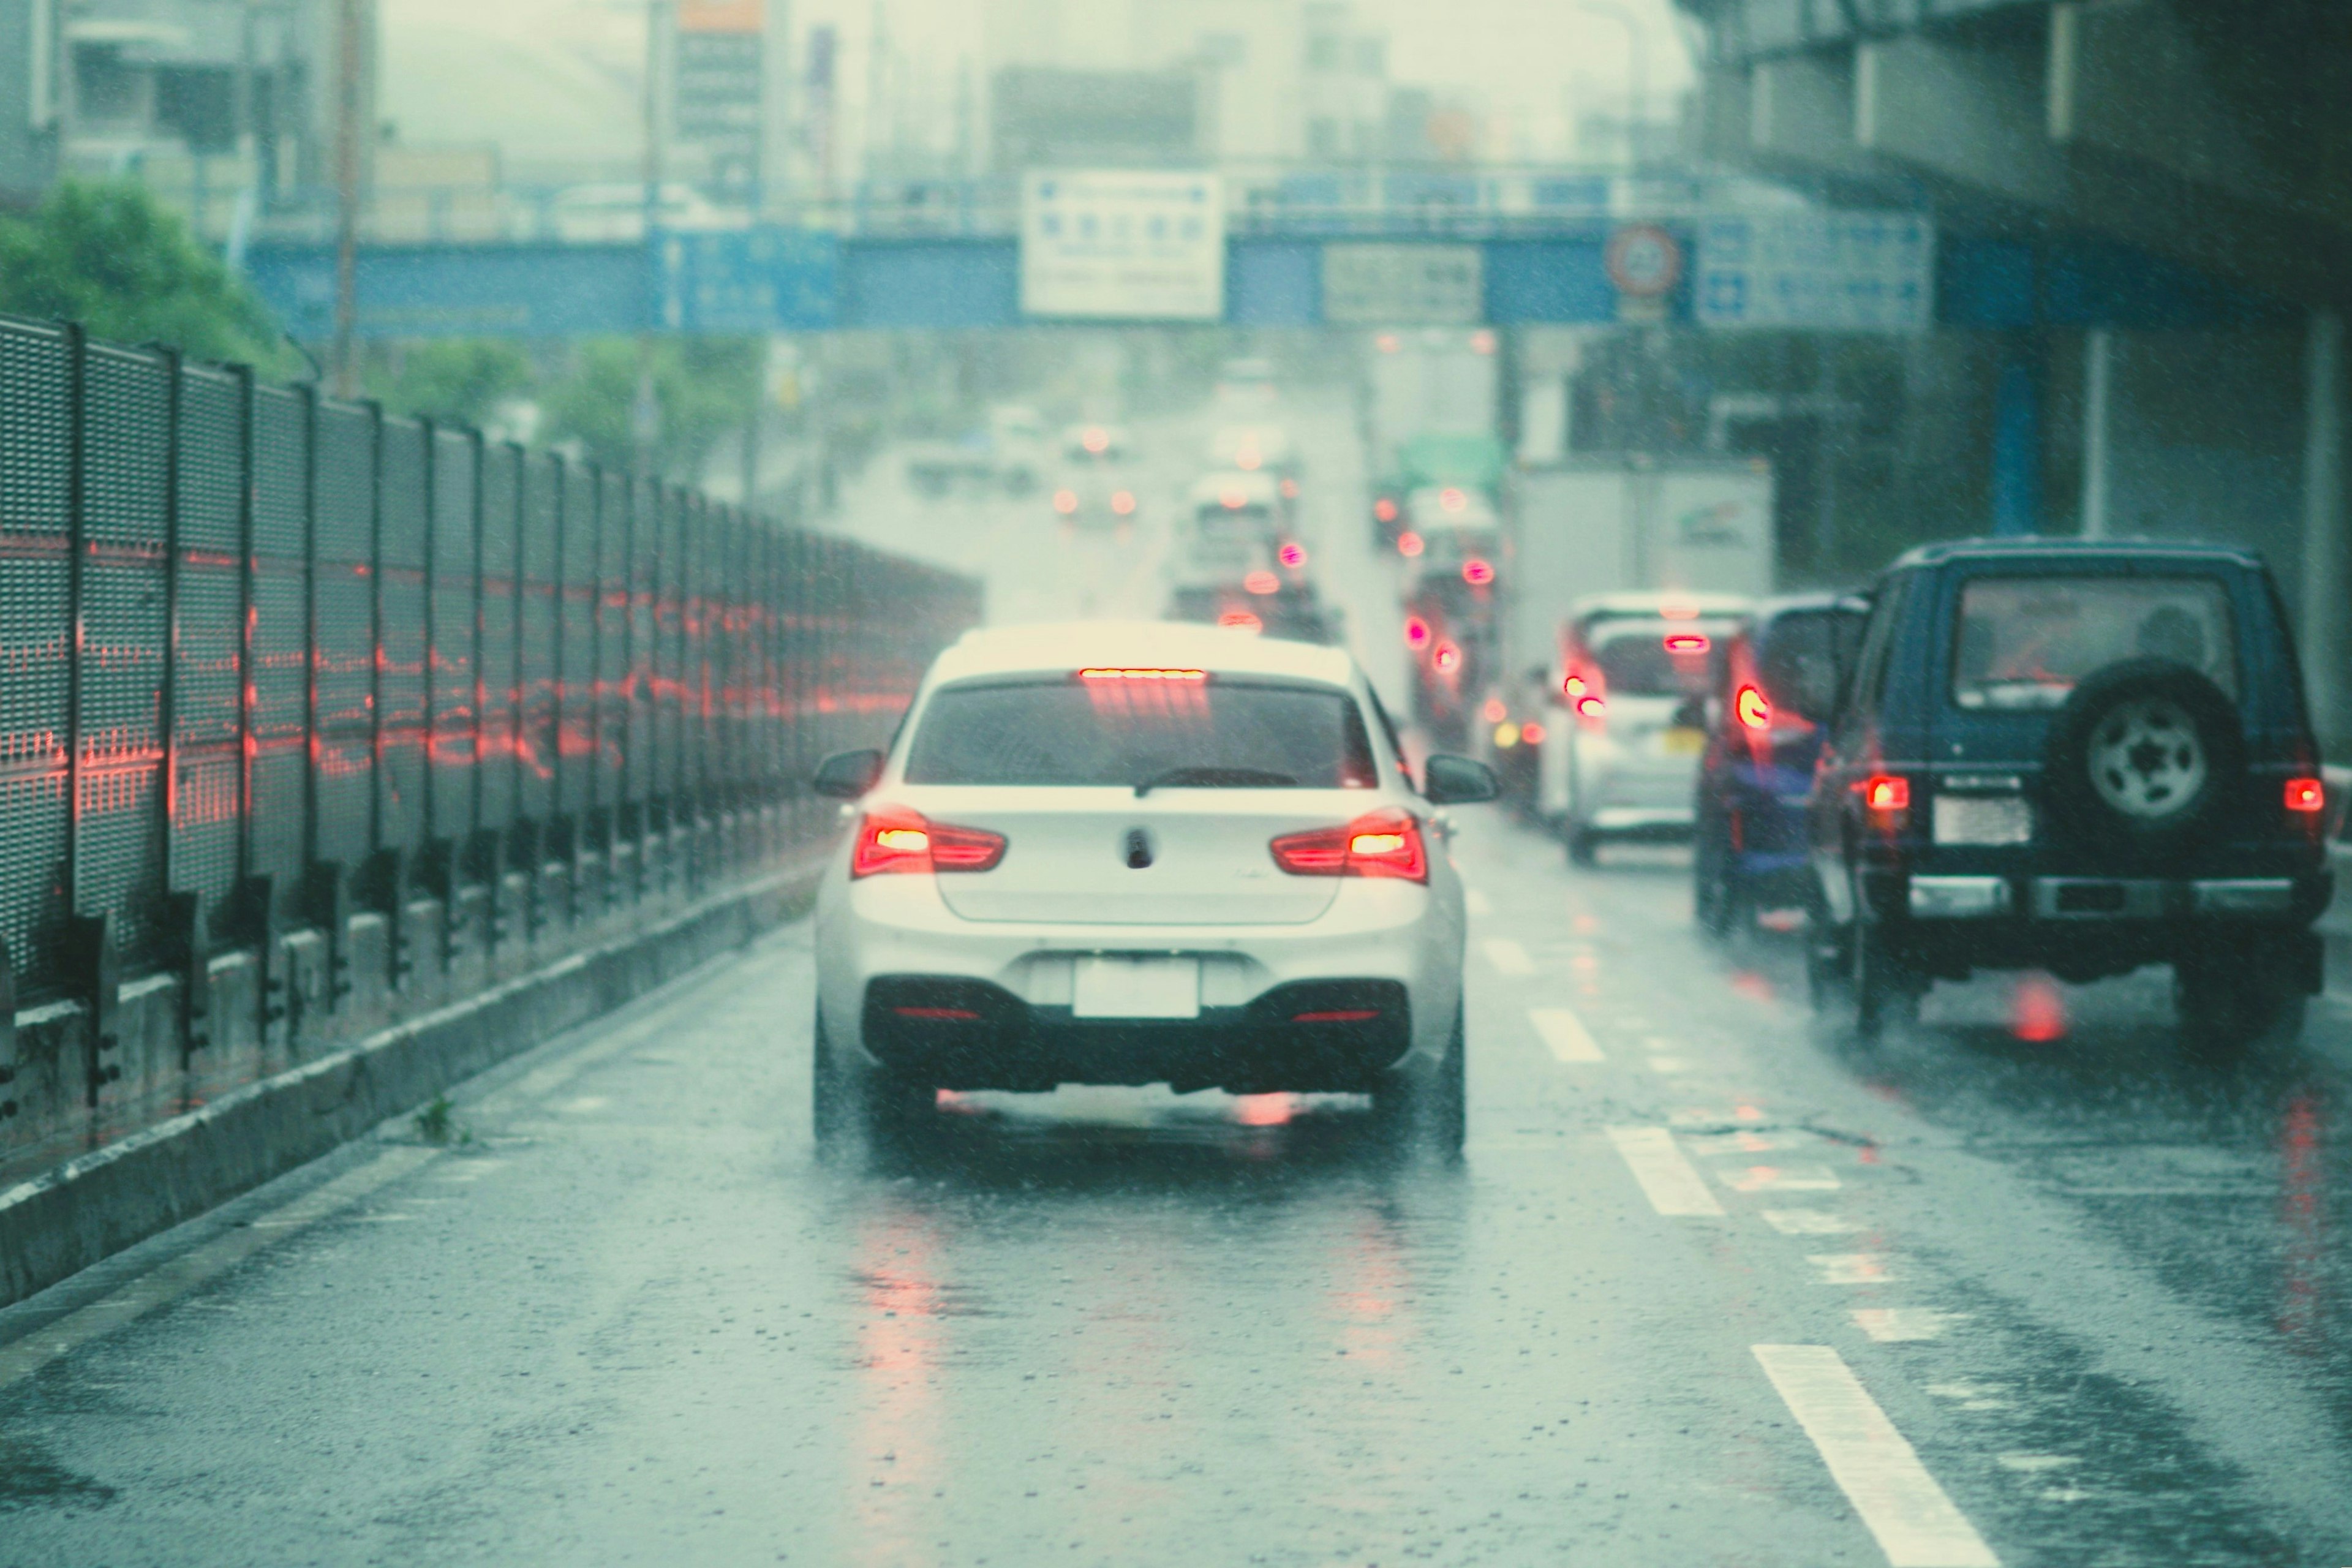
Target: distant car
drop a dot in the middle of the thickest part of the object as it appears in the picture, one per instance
(584, 215)
(2075, 756)
(1135, 854)
(1095, 498)
(1254, 449)
(1291, 611)
(1235, 524)
(1097, 443)
(1774, 691)
(1447, 530)
(1638, 667)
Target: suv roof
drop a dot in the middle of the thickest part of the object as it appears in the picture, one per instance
(2058, 550)
(1656, 601)
(1138, 645)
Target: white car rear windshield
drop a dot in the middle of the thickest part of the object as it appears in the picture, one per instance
(1646, 658)
(1211, 734)
(2025, 643)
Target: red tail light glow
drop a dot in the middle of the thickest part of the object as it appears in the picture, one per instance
(1453, 499)
(1387, 343)
(1575, 686)
(894, 840)
(1886, 793)
(1123, 503)
(1337, 1016)
(1477, 572)
(1098, 441)
(1294, 555)
(2306, 794)
(1065, 501)
(1687, 642)
(1385, 844)
(1263, 582)
(1532, 734)
(1447, 657)
(1495, 711)
(1187, 677)
(938, 1014)
(1755, 709)
(1593, 710)
(1241, 620)
(1482, 342)
(1416, 633)
(1290, 489)
(1409, 544)
(1233, 501)
(1384, 509)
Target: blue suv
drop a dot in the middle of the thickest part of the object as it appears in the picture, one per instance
(2075, 756)
(1774, 689)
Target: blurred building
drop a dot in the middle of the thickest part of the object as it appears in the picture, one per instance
(1043, 116)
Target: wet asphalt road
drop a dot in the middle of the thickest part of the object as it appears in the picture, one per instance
(2092, 1285)
(2067, 1301)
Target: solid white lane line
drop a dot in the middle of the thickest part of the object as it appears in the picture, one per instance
(1508, 956)
(1905, 1325)
(1565, 1034)
(151, 1291)
(1670, 1182)
(1914, 1522)
(1474, 901)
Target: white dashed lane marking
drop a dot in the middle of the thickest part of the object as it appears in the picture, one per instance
(1807, 1222)
(1915, 1523)
(1852, 1268)
(1475, 902)
(1564, 1034)
(1782, 1179)
(1905, 1325)
(1508, 957)
(1670, 1182)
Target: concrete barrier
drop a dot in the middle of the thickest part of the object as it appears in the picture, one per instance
(95, 1205)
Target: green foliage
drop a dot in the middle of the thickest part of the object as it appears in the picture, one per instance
(107, 257)
(434, 1123)
(462, 381)
(703, 387)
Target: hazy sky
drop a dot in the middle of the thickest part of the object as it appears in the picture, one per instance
(554, 77)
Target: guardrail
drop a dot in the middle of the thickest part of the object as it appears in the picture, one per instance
(313, 718)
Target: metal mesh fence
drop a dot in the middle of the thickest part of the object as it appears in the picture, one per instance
(254, 637)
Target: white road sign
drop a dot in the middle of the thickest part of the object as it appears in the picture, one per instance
(1398, 285)
(1861, 272)
(1123, 245)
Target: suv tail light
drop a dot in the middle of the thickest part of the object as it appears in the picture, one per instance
(892, 839)
(1886, 794)
(1382, 844)
(2307, 795)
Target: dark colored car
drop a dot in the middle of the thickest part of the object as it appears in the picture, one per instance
(2077, 757)
(1774, 689)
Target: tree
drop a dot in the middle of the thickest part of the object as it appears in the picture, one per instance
(462, 381)
(703, 388)
(107, 257)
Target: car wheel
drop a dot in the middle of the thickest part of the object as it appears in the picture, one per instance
(848, 1101)
(1828, 966)
(2231, 1004)
(1886, 990)
(1429, 1109)
(1583, 847)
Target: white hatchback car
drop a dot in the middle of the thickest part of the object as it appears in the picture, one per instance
(1143, 853)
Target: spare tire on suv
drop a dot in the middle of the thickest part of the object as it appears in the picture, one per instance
(2142, 757)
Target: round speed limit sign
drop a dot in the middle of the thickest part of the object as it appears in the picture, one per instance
(1645, 261)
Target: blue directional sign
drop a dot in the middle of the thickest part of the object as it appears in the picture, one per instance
(750, 280)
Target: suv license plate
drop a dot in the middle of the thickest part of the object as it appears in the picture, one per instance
(1983, 819)
(1109, 986)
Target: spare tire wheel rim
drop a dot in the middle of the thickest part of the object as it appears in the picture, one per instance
(2147, 761)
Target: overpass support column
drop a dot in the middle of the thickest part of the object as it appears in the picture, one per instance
(2326, 647)
(2017, 442)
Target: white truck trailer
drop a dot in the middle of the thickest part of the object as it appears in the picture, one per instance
(1601, 526)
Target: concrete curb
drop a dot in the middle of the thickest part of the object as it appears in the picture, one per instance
(87, 1209)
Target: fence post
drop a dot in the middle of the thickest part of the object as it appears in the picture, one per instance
(182, 914)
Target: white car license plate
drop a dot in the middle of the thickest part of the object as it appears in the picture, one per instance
(1111, 986)
(1983, 819)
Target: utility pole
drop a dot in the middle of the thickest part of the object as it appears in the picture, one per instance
(351, 62)
(644, 414)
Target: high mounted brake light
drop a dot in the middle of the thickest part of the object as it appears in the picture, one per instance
(1183, 676)
(1383, 843)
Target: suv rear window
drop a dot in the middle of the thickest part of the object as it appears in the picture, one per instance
(1646, 658)
(2025, 643)
(1255, 735)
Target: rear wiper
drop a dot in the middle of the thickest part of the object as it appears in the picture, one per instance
(1214, 778)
